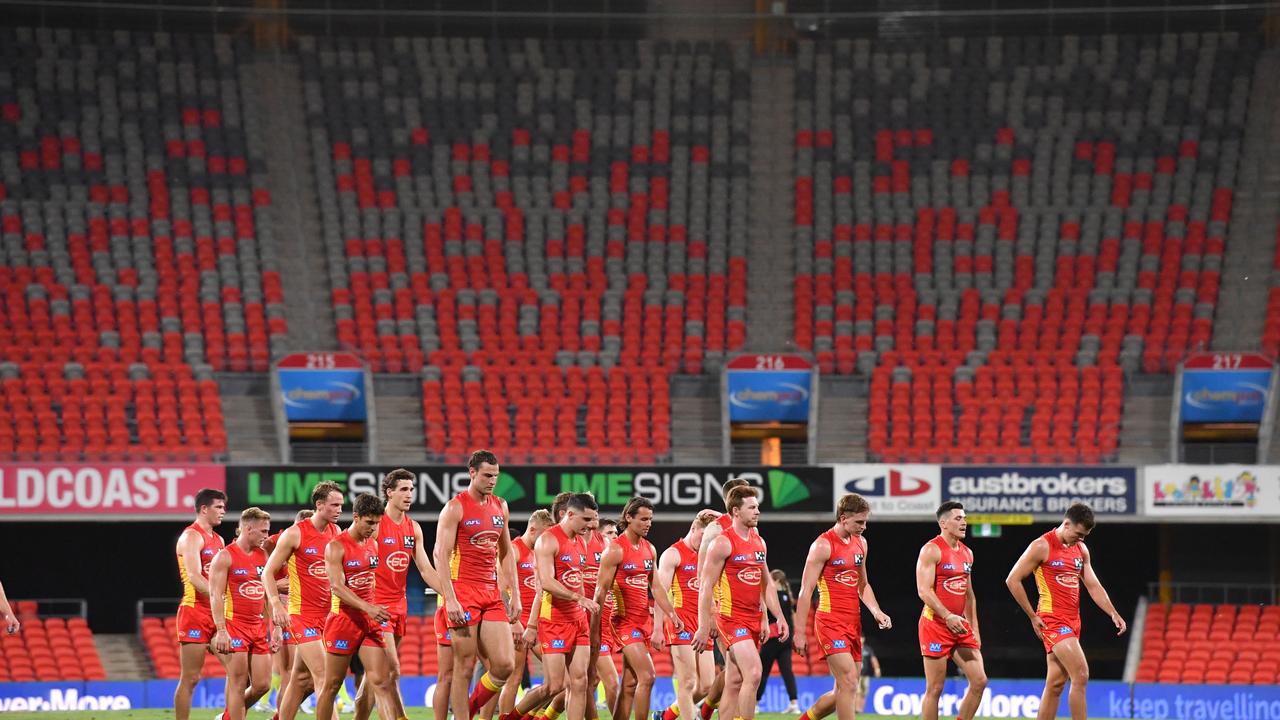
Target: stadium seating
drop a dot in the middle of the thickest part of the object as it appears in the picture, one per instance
(560, 220)
(48, 649)
(997, 266)
(160, 639)
(134, 240)
(1216, 644)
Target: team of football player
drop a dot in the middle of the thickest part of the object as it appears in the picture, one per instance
(574, 589)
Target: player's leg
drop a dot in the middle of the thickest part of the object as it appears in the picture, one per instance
(308, 674)
(746, 657)
(465, 641)
(1071, 656)
(440, 698)
(335, 673)
(607, 675)
(935, 676)
(732, 686)
(768, 653)
(969, 660)
(379, 674)
(191, 660)
(237, 679)
(259, 678)
(822, 707)
(556, 668)
(1054, 680)
(711, 702)
(579, 693)
(499, 653)
(844, 669)
(641, 665)
(710, 678)
(364, 690)
(507, 698)
(685, 669)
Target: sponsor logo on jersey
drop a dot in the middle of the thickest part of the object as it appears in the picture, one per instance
(472, 522)
(240, 571)
(195, 634)
(838, 644)
(341, 645)
(1056, 563)
(935, 647)
(648, 564)
(597, 556)
(259, 569)
(410, 542)
(566, 558)
(1079, 564)
(1068, 580)
(497, 521)
(1064, 630)
(237, 642)
(310, 632)
(388, 541)
(968, 568)
(759, 556)
(353, 563)
(948, 566)
(739, 558)
(956, 584)
(640, 582)
(857, 559)
(466, 616)
(252, 590)
(685, 635)
(398, 561)
(557, 644)
(750, 575)
(740, 632)
(310, 551)
(629, 566)
(318, 570)
(837, 562)
(689, 568)
(636, 634)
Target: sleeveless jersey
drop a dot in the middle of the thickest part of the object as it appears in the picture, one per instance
(475, 551)
(684, 581)
(245, 596)
(838, 583)
(212, 544)
(739, 588)
(724, 521)
(359, 570)
(1058, 579)
(526, 575)
(569, 567)
(396, 547)
(950, 578)
(283, 572)
(308, 578)
(631, 581)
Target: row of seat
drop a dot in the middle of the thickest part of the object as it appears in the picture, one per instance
(49, 648)
(1207, 643)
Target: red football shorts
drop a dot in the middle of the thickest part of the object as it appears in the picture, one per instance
(444, 636)
(562, 636)
(344, 635)
(734, 630)
(939, 642)
(398, 625)
(195, 624)
(1058, 629)
(837, 635)
(480, 603)
(307, 628)
(629, 632)
(683, 637)
(250, 637)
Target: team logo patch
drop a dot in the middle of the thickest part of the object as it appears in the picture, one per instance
(956, 584)
(759, 556)
(968, 568)
(857, 559)
(838, 644)
(1079, 563)
(1064, 630)
(311, 632)
(640, 582)
(497, 521)
(341, 645)
(194, 634)
(935, 647)
(410, 542)
(740, 632)
(557, 644)
(252, 590)
(1068, 580)
(398, 561)
(750, 575)
(847, 577)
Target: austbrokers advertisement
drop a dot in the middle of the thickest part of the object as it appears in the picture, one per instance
(786, 490)
(1040, 489)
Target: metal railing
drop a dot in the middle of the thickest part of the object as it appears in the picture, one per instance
(1216, 593)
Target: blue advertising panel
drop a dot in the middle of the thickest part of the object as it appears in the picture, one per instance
(1224, 395)
(1041, 489)
(323, 395)
(769, 395)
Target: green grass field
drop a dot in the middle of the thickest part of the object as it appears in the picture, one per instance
(414, 712)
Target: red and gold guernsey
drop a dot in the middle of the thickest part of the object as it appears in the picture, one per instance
(212, 543)
(525, 572)
(283, 572)
(838, 583)
(739, 587)
(684, 584)
(1058, 579)
(568, 568)
(475, 551)
(245, 595)
(631, 603)
(359, 569)
(724, 521)
(950, 578)
(396, 547)
(308, 578)
(595, 545)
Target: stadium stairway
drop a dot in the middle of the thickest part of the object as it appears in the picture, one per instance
(695, 420)
(1251, 240)
(122, 657)
(770, 266)
(842, 419)
(251, 431)
(400, 431)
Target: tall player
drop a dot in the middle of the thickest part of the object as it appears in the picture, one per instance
(736, 565)
(837, 567)
(357, 624)
(236, 597)
(695, 667)
(400, 543)
(1061, 562)
(197, 546)
(563, 632)
(948, 626)
(627, 572)
(282, 660)
(473, 542)
(301, 551)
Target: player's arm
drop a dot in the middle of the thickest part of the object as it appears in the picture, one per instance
(1099, 593)
(868, 595)
(333, 556)
(446, 540)
(712, 566)
(507, 560)
(531, 624)
(770, 590)
(608, 571)
(288, 542)
(189, 548)
(11, 624)
(420, 558)
(709, 536)
(926, 575)
(217, 599)
(544, 552)
(282, 584)
(971, 611)
(819, 554)
(661, 586)
(662, 606)
(1037, 552)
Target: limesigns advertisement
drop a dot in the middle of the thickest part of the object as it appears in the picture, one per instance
(1212, 491)
(1041, 489)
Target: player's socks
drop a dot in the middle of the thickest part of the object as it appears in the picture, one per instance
(805, 716)
(552, 713)
(485, 689)
(708, 709)
(672, 712)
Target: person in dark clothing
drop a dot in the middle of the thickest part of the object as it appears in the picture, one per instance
(774, 650)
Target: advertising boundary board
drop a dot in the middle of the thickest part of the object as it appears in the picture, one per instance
(892, 489)
(1212, 492)
(887, 696)
(1041, 489)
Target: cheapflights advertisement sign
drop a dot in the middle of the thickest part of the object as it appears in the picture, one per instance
(769, 388)
(1225, 387)
(1212, 491)
(319, 387)
(1041, 489)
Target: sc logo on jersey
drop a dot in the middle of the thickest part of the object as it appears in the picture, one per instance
(935, 647)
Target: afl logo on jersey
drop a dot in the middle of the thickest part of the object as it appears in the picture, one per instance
(750, 575)
(388, 541)
(252, 590)
(640, 582)
(360, 580)
(1068, 580)
(398, 561)
(956, 585)
(485, 538)
(318, 570)
(848, 577)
